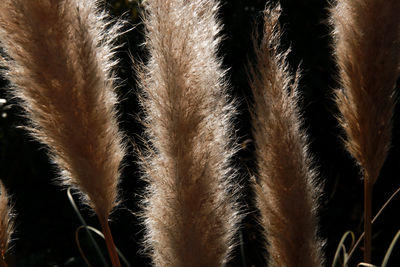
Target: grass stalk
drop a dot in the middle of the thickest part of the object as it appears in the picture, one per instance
(112, 251)
(94, 243)
(100, 234)
(367, 220)
(390, 249)
(353, 248)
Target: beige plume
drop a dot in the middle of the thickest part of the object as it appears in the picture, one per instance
(59, 61)
(286, 191)
(367, 47)
(190, 210)
(6, 223)
(59, 64)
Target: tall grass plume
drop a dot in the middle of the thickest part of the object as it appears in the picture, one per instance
(59, 60)
(190, 211)
(366, 42)
(6, 223)
(286, 189)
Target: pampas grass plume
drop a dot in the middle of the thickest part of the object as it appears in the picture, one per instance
(367, 47)
(287, 189)
(190, 213)
(59, 62)
(6, 222)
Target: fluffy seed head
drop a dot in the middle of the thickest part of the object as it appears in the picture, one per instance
(59, 59)
(6, 221)
(287, 190)
(366, 41)
(190, 213)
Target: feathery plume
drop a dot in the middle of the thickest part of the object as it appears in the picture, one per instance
(59, 61)
(367, 41)
(190, 209)
(6, 223)
(287, 191)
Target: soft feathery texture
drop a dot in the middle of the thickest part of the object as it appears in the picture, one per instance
(6, 221)
(190, 211)
(367, 47)
(59, 62)
(287, 191)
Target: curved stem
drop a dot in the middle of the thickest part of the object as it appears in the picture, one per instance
(390, 249)
(376, 217)
(94, 243)
(97, 232)
(110, 242)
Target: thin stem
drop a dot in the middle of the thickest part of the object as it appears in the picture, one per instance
(376, 217)
(367, 220)
(112, 251)
(390, 249)
(97, 232)
(341, 247)
(94, 243)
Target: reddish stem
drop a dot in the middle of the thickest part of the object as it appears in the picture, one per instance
(112, 251)
(367, 219)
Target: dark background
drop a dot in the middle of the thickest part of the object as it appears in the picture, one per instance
(46, 223)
